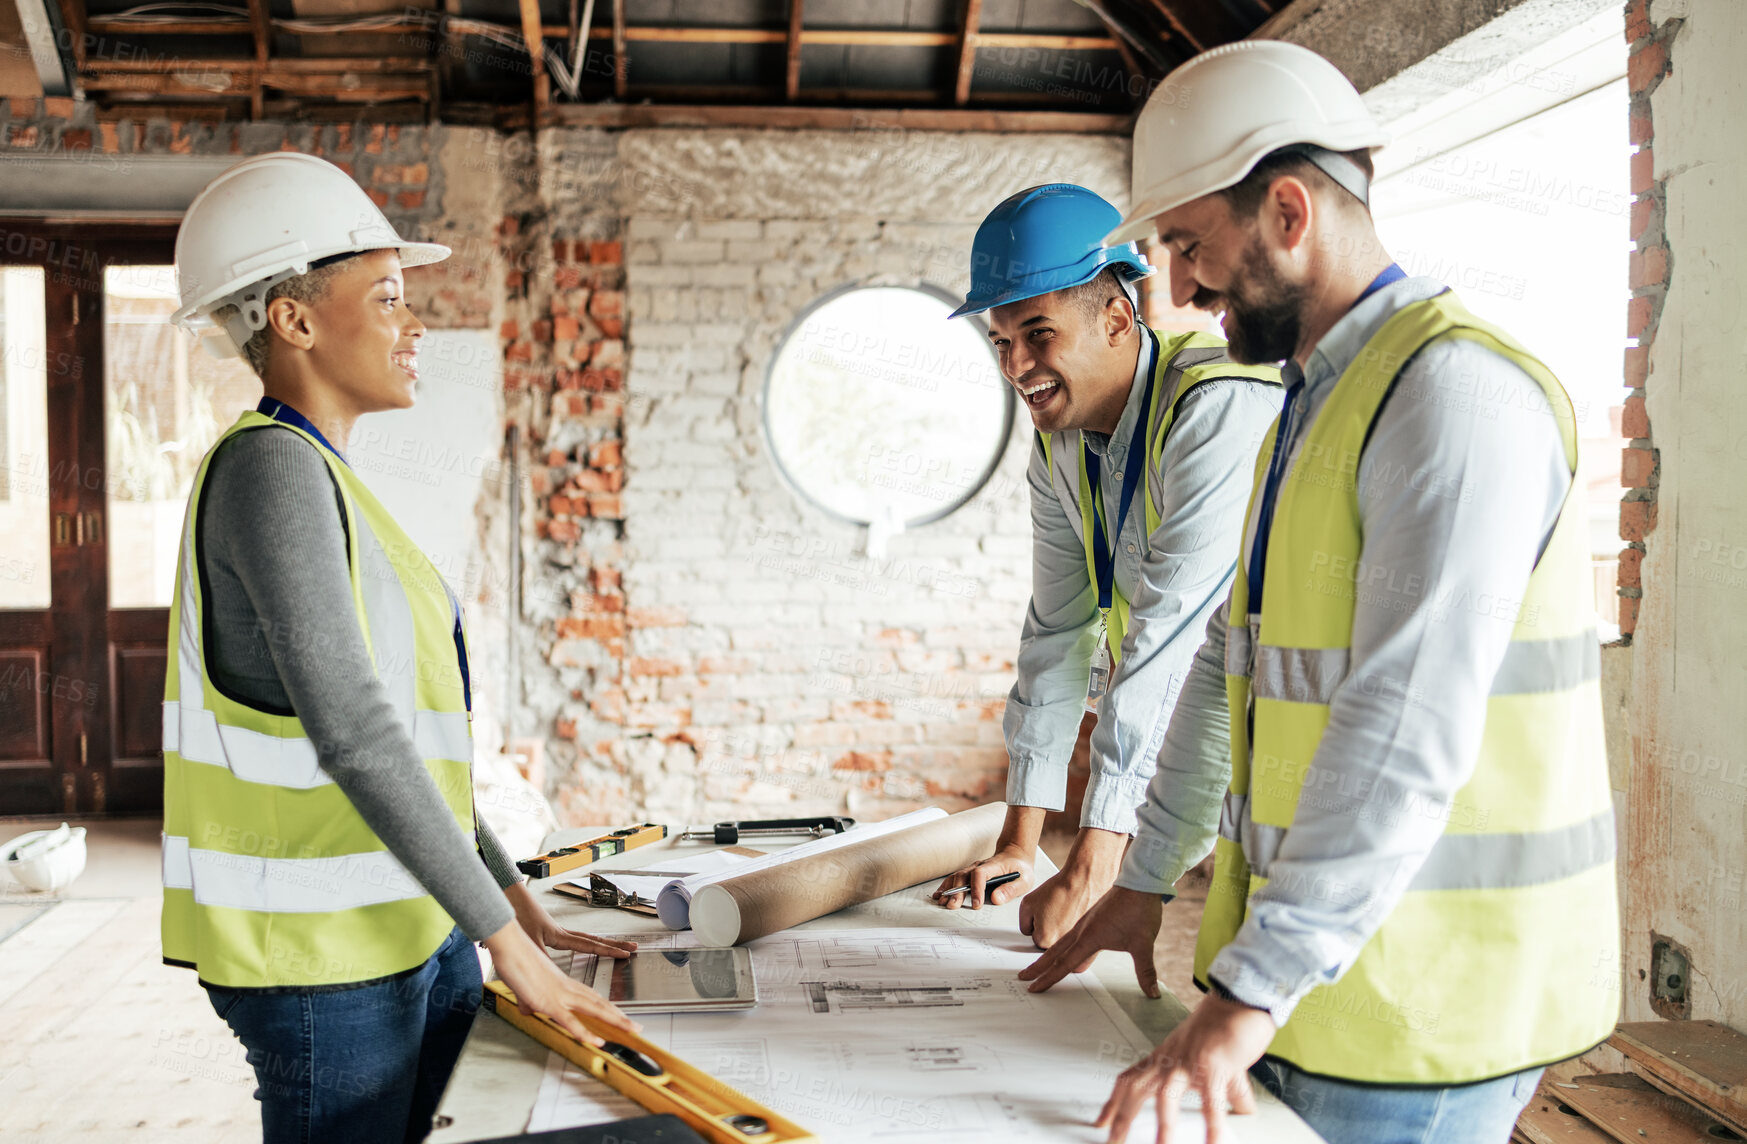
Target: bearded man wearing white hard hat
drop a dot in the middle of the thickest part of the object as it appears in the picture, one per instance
(1392, 739)
(323, 866)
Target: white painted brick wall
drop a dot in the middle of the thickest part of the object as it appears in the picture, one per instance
(806, 677)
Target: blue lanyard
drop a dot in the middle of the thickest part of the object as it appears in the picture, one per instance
(1103, 551)
(1277, 463)
(286, 415)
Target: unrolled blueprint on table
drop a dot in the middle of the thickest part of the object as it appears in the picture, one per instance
(910, 1035)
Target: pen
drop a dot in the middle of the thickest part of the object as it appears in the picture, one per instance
(992, 883)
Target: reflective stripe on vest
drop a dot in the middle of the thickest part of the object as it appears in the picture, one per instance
(1502, 952)
(1184, 362)
(271, 877)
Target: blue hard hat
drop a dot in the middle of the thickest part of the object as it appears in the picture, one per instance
(1044, 239)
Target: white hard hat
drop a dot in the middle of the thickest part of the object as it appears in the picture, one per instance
(46, 860)
(268, 219)
(1216, 116)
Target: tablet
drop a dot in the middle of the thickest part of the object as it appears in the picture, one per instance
(671, 980)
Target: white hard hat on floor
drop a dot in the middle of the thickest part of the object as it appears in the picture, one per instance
(268, 219)
(1217, 115)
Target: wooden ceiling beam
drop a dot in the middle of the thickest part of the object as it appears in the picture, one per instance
(261, 28)
(792, 77)
(322, 65)
(621, 62)
(621, 115)
(1169, 12)
(967, 51)
(859, 37)
(533, 36)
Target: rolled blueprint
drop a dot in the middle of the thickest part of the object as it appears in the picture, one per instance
(752, 903)
(673, 903)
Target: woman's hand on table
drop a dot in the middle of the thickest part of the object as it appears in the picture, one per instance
(542, 988)
(547, 933)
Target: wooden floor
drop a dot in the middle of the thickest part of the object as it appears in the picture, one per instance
(100, 1041)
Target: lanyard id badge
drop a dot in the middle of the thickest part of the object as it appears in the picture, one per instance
(1099, 682)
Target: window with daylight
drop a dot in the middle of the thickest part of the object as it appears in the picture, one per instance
(880, 411)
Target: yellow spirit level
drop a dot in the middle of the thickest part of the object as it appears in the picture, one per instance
(656, 1079)
(570, 857)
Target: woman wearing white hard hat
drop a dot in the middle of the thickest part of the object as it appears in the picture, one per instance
(1413, 909)
(324, 868)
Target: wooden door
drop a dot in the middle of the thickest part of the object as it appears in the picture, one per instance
(129, 405)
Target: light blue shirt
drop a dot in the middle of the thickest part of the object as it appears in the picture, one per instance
(1459, 488)
(1173, 580)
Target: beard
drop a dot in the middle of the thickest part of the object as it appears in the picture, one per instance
(1264, 314)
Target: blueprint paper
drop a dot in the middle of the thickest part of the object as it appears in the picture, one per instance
(913, 1035)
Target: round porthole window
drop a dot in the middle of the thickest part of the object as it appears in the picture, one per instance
(881, 412)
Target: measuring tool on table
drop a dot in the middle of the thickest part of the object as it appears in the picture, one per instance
(570, 857)
(728, 833)
(655, 1078)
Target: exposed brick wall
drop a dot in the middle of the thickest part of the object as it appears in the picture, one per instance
(1648, 271)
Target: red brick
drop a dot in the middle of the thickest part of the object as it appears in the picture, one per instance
(509, 225)
(556, 457)
(1639, 130)
(1636, 467)
(343, 137)
(1629, 614)
(410, 200)
(1631, 567)
(509, 330)
(605, 253)
(1638, 21)
(565, 329)
(607, 304)
(76, 139)
(591, 481)
(1647, 267)
(373, 145)
(111, 141)
(541, 330)
(591, 627)
(520, 351)
(1637, 366)
(560, 506)
(1642, 206)
(564, 531)
(605, 580)
(606, 455)
(863, 761)
(610, 405)
(607, 506)
(567, 278)
(667, 617)
(1637, 519)
(644, 665)
(561, 250)
(1639, 312)
(57, 107)
(380, 198)
(608, 704)
(1643, 170)
(513, 280)
(611, 327)
(564, 728)
(1646, 65)
(1634, 419)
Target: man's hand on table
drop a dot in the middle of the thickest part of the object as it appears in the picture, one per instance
(1209, 1052)
(1054, 908)
(1124, 920)
(1015, 851)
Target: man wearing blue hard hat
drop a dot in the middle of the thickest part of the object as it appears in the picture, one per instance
(1139, 476)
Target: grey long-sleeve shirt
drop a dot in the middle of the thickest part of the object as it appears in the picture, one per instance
(1173, 579)
(284, 637)
(1459, 488)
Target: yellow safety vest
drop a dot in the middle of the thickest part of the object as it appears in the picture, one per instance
(271, 877)
(1503, 953)
(1184, 361)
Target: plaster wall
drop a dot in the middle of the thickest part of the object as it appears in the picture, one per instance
(1686, 686)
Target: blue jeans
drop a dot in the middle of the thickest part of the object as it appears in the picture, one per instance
(364, 1065)
(1347, 1113)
